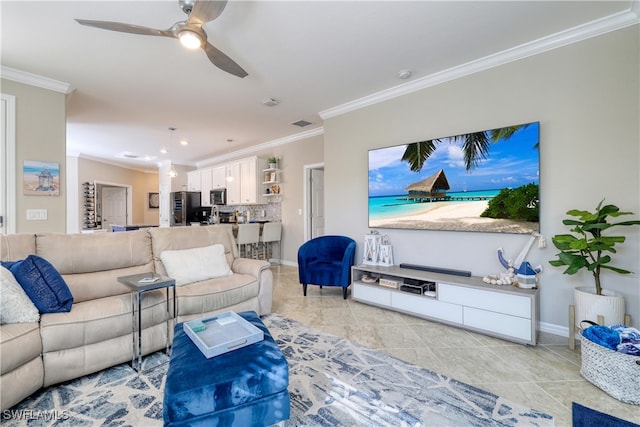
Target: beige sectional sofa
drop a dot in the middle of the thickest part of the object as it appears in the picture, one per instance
(97, 332)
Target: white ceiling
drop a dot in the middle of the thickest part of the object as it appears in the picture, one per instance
(126, 90)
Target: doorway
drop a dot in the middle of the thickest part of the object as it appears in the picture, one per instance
(7, 164)
(314, 201)
(113, 204)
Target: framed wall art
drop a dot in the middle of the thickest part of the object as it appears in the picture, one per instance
(40, 178)
(485, 181)
(154, 200)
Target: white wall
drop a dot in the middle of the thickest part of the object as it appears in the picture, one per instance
(586, 98)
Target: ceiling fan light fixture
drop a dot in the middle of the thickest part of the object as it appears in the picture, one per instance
(190, 39)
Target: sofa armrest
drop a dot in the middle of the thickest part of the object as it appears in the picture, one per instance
(261, 270)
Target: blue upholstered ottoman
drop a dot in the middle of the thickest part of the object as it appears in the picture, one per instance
(245, 387)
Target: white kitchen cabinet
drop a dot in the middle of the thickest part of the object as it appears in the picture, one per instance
(244, 188)
(241, 178)
(206, 184)
(233, 183)
(218, 177)
(248, 187)
(193, 180)
(505, 312)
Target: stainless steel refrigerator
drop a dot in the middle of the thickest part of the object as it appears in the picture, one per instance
(183, 207)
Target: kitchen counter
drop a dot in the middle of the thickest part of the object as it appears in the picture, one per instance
(131, 227)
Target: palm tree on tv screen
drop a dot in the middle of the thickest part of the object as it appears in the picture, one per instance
(475, 146)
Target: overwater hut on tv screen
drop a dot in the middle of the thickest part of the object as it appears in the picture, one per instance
(484, 181)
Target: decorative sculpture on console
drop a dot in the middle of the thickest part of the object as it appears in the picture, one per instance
(519, 271)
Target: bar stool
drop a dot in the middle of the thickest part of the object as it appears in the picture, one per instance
(248, 238)
(271, 233)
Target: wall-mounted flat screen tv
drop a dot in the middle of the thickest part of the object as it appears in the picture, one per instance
(485, 181)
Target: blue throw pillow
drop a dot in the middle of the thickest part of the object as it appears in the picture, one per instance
(43, 284)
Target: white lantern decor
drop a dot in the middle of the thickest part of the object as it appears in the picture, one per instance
(371, 248)
(385, 258)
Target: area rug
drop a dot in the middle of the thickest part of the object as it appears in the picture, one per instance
(332, 382)
(587, 417)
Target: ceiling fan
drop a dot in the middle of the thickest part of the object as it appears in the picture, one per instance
(189, 32)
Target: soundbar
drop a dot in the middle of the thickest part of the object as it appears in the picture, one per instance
(436, 269)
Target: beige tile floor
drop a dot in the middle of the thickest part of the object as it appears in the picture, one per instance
(545, 377)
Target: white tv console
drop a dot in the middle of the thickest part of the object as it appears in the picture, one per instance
(505, 312)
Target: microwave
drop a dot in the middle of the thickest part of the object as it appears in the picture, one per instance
(218, 196)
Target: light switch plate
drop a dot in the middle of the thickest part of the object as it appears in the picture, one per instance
(36, 214)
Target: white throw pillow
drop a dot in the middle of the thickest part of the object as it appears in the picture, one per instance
(193, 265)
(15, 305)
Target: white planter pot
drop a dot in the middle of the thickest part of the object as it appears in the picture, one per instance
(589, 306)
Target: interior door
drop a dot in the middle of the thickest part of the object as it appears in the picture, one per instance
(7, 164)
(114, 206)
(317, 202)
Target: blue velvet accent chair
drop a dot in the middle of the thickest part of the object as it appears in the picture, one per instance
(326, 261)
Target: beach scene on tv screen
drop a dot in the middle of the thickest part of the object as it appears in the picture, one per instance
(486, 181)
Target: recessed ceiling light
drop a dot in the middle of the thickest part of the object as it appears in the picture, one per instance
(184, 142)
(163, 151)
(404, 74)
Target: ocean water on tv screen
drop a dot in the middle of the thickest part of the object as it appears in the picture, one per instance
(389, 206)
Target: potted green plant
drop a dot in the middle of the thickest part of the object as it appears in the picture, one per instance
(273, 162)
(591, 248)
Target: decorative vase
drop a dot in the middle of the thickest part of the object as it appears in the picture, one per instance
(589, 306)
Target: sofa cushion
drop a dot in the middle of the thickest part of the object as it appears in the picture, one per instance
(88, 253)
(178, 238)
(99, 320)
(92, 263)
(15, 305)
(216, 294)
(43, 284)
(19, 343)
(196, 264)
(14, 247)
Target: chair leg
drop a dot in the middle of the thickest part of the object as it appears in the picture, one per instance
(344, 292)
(304, 289)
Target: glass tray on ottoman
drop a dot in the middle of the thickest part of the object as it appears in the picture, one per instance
(222, 333)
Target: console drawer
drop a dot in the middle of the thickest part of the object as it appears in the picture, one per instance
(427, 307)
(499, 323)
(371, 294)
(510, 304)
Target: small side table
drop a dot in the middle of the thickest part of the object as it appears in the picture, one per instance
(137, 289)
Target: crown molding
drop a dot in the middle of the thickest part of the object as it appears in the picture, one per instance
(573, 35)
(114, 163)
(263, 146)
(34, 80)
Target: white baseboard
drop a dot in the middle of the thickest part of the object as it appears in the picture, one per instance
(550, 328)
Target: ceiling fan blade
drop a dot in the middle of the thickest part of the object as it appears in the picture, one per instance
(206, 10)
(125, 28)
(222, 61)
